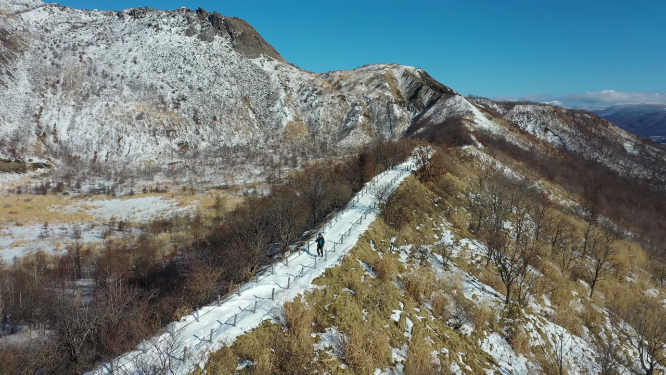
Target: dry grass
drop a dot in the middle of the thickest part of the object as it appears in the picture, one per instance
(419, 360)
(418, 202)
(630, 258)
(420, 284)
(256, 347)
(38, 209)
(591, 317)
(521, 343)
(70, 209)
(223, 361)
(489, 278)
(568, 319)
(485, 316)
(297, 317)
(620, 295)
(441, 305)
(386, 268)
(367, 350)
(294, 347)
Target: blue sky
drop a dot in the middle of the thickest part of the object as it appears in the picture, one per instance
(508, 49)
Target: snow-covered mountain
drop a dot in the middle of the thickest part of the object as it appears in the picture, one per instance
(576, 132)
(144, 84)
(153, 85)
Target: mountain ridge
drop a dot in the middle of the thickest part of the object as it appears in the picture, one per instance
(153, 86)
(141, 85)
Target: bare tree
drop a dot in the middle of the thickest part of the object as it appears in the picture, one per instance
(606, 348)
(287, 218)
(591, 219)
(510, 243)
(166, 353)
(430, 165)
(201, 279)
(75, 325)
(512, 263)
(643, 326)
(541, 213)
(554, 359)
(559, 233)
(601, 256)
(382, 192)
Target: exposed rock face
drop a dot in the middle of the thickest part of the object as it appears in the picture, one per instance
(245, 39)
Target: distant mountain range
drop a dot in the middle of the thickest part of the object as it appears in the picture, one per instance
(645, 120)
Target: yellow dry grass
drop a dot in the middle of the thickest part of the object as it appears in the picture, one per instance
(38, 209)
(69, 209)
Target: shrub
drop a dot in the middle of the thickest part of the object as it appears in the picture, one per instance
(386, 268)
(223, 361)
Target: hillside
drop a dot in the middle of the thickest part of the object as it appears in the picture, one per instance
(151, 85)
(474, 269)
(163, 173)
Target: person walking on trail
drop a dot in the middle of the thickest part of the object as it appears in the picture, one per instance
(320, 245)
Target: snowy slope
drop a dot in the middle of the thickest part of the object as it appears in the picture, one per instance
(581, 133)
(143, 85)
(190, 340)
(529, 125)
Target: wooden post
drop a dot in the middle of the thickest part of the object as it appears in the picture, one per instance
(219, 300)
(210, 339)
(325, 255)
(286, 260)
(315, 265)
(255, 306)
(272, 269)
(238, 289)
(111, 365)
(256, 278)
(185, 354)
(273, 294)
(143, 346)
(288, 282)
(334, 243)
(235, 318)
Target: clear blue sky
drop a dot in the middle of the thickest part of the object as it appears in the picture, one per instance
(490, 48)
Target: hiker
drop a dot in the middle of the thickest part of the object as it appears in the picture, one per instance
(320, 245)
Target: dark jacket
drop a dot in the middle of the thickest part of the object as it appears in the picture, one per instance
(320, 241)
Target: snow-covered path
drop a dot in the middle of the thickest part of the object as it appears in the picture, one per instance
(186, 343)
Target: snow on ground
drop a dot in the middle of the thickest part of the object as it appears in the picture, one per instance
(19, 241)
(578, 352)
(133, 209)
(189, 341)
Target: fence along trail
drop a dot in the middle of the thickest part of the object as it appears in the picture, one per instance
(186, 343)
